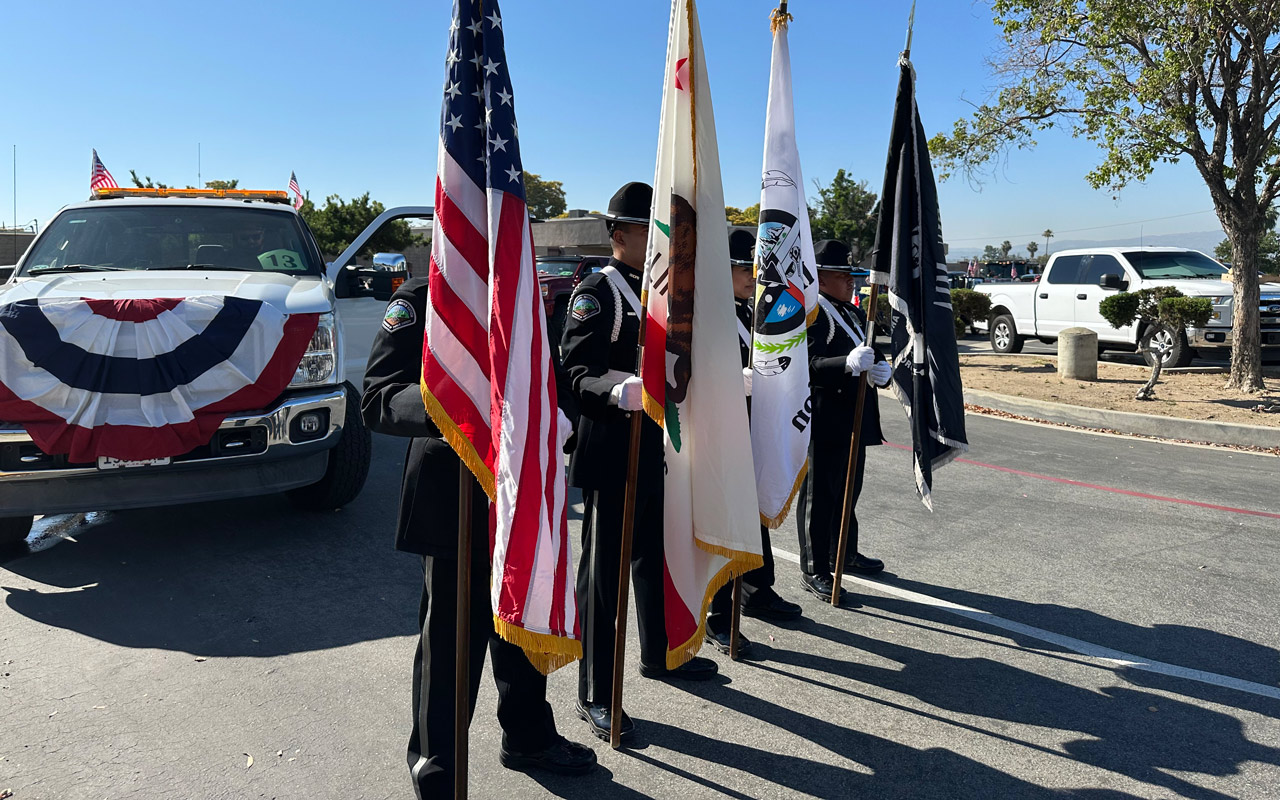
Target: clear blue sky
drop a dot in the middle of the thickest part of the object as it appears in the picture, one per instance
(348, 96)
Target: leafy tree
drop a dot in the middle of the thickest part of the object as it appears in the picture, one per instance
(968, 307)
(545, 199)
(843, 212)
(743, 216)
(339, 222)
(1159, 308)
(991, 253)
(1032, 247)
(1149, 82)
(1005, 248)
(146, 182)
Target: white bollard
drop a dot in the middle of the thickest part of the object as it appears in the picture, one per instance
(1078, 354)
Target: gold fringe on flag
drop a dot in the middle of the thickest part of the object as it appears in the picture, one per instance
(778, 19)
(740, 563)
(773, 523)
(459, 442)
(654, 409)
(545, 651)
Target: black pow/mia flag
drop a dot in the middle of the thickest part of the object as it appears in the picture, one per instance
(911, 264)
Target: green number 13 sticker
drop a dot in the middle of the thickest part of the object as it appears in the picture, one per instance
(281, 259)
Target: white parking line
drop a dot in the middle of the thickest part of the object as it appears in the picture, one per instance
(1078, 646)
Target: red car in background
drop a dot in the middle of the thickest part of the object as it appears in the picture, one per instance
(559, 276)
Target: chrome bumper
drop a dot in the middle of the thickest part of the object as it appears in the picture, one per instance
(1220, 336)
(278, 463)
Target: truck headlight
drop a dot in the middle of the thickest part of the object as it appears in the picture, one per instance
(319, 362)
(1221, 300)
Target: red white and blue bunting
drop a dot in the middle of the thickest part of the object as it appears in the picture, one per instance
(141, 379)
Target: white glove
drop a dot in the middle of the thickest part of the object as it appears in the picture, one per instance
(628, 395)
(881, 373)
(565, 429)
(746, 379)
(859, 360)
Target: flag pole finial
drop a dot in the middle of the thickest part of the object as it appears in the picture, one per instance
(779, 18)
(911, 24)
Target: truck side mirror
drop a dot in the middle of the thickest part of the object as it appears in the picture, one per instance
(1111, 281)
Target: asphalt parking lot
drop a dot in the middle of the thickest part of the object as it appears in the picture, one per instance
(1083, 616)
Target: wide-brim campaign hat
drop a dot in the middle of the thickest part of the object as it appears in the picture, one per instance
(741, 245)
(632, 203)
(834, 255)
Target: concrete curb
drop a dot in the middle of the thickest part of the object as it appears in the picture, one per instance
(1126, 422)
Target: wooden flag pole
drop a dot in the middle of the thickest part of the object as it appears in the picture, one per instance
(624, 561)
(735, 619)
(846, 514)
(462, 640)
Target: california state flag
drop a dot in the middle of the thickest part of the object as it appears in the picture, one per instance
(692, 380)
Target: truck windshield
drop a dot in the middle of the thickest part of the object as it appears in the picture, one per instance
(172, 236)
(1184, 264)
(558, 268)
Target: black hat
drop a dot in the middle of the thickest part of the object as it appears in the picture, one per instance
(741, 244)
(833, 255)
(632, 203)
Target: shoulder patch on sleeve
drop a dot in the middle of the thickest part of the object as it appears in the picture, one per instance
(584, 307)
(400, 314)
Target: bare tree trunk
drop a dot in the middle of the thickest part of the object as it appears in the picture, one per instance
(1246, 331)
(1148, 392)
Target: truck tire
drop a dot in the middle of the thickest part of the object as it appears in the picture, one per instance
(1173, 345)
(1004, 335)
(348, 464)
(14, 530)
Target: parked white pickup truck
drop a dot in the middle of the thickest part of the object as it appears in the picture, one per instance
(1075, 282)
(232, 250)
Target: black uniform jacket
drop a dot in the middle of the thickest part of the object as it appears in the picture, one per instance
(834, 389)
(392, 404)
(743, 309)
(589, 350)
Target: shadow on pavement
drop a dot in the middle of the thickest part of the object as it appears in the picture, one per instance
(887, 769)
(1183, 645)
(253, 577)
(1120, 732)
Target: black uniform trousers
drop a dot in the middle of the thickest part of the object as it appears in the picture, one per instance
(821, 502)
(598, 584)
(523, 712)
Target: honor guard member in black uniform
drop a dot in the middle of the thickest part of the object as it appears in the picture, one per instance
(758, 596)
(428, 526)
(599, 348)
(837, 356)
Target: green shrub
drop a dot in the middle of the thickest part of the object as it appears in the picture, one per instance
(972, 306)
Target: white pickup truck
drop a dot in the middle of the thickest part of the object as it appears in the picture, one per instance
(232, 249)
(1074, 283)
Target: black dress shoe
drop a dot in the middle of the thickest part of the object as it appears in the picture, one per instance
(599, 717)
(562, 758)
(820, 585)
(720, 641)
(767, 604)
(695, 669)
(862, 565)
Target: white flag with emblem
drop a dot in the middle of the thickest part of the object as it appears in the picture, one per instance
(785, 302)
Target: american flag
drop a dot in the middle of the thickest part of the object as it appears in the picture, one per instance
(296, 189)
(99, 178)
(487, 376)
